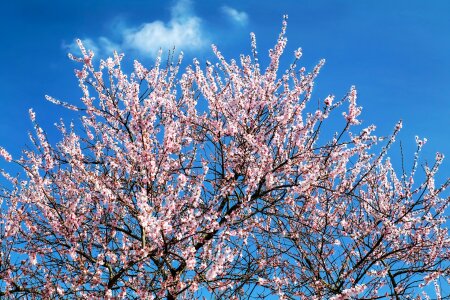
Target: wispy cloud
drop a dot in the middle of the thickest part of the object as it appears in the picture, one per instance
(107, 45)
(87, 42)
(100, 46)
(183, 31)
(239, 17)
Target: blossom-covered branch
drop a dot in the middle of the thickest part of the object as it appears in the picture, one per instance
(215, 181)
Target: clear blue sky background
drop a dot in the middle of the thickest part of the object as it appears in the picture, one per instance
(397, 53)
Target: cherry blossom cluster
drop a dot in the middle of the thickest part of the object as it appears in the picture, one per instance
(215, 181)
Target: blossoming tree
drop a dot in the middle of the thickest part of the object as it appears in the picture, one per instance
(213, 182)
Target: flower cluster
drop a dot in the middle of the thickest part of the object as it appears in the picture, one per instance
(215, 181)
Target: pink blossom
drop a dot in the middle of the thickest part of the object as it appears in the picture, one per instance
(5, 154)
(217, 178)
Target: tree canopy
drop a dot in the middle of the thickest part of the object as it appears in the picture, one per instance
(214, 181)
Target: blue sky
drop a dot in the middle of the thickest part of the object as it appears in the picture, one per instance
(397, 53)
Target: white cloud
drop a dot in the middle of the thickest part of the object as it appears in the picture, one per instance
(102, 46)
(108, 46)
(184, 34)
(183, 31)
(88, 43)
(239, 17)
